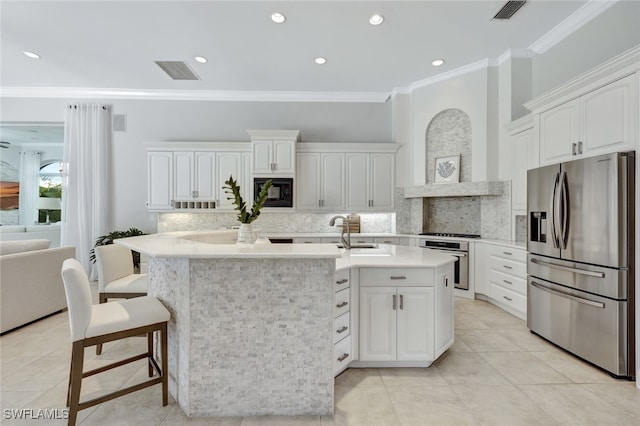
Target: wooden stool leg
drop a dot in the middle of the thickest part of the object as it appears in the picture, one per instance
(102, 299)
(70, 375)
(76, 380)
(150, 352)
(165, 364)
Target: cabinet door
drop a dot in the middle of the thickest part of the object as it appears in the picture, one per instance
(377, 324)
(443, 311)
(205, 175)
(159, 180)
(246, 184)
(415, 323)
(184, 186)
(332, 181)
(381, 184)
(284, 157)
(481, 268)
(558, 132)
(357, 174)
(609, 117)
(308, 182)
(519, 148)
(228, 164)
(262, 157)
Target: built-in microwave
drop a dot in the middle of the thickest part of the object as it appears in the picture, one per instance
(280, 193)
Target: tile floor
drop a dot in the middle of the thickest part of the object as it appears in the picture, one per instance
(497, 373)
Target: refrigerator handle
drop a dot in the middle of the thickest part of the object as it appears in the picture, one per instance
(553, 210)
(564, 196)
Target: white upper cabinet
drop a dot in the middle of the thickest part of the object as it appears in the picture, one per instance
(159, 180)
(520, 144)
(228, 164)
(183, 183)
(320, 181)
(194, 175)
(595, 123)
(370, 182)
(273, 151)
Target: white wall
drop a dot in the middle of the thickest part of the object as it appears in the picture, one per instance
(469, 93)
(401, 126)
(613, 32)
(153, 121)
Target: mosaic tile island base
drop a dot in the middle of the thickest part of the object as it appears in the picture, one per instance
(250, 334)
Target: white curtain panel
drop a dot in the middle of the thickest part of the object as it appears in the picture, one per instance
(86, 183)
(29, 186)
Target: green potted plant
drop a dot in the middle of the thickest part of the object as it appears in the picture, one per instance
(107, 239)
(245, 217)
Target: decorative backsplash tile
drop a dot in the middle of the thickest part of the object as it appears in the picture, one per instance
(521, 228)
(449, 133)
(454, 214)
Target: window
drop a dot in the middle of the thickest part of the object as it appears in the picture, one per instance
(50, 183)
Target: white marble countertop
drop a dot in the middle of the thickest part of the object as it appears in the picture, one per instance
(331, 234)
(387, 255)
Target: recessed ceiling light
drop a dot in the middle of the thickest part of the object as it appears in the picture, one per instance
(278, 17)
(320, 60)
(376, 19)
(201, 59)
(31, 54)
(437, 62)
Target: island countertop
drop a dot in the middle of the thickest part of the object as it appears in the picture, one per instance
(387, 255)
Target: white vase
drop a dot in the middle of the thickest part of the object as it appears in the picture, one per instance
(245, 234)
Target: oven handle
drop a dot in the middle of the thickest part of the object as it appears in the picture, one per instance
(567, 296)
(452, 253)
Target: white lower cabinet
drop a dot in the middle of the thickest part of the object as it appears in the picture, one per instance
(342, 323)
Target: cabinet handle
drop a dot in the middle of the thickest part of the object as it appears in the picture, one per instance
(398, 277)
(507, 267)
(446, 281)
(507, 253)
(393, 304)
(401, 302)
(342, 305)
(573, 148)
(507, 282)
(343, 357)
(342, 330)
(342, 281)
(579, 147)
(387, 242)
(508, 298)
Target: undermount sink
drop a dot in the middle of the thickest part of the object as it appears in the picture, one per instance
(361, 246)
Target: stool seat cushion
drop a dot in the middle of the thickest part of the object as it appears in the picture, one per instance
(124, 315)
(134, 283)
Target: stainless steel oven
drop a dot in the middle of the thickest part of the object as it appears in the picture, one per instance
(457, 248)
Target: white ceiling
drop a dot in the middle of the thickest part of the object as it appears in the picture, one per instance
(32, 134)
(109, 44)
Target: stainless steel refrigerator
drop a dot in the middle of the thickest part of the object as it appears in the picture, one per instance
(580, 239)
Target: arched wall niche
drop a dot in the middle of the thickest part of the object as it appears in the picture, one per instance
(449, 133)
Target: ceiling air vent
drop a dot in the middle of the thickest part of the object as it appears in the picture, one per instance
(509, 9)
(177, 70)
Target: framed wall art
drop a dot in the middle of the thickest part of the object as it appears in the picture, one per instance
(447, 169)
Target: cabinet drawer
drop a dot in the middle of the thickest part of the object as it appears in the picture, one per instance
(342, 280)
(396, 277)
(507, 297)
(507, 266)
(341, 355)
(310, 240)
(517, 255)
(355, 239)
(331, 240)
(341, 327)
(516, 284)
(387, 240)
(341, 305)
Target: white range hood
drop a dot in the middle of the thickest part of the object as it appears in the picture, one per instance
(462, 189)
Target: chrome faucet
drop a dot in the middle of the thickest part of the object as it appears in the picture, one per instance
(346, 242)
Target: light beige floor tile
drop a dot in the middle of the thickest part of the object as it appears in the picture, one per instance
(459, 346)
(527, 341)
(177, 418)
(575, 369)
(572, 404)
(501, 405)
(485, 341)
(429, 405)
(15, 399)
(412, 376)
(523, 368)
(623, 396)
(468, 368)
(368, 406)
(359, 377)
(282, 421)
(503, 320)
(469, 321)
(40, 374)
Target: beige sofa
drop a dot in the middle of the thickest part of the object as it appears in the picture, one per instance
(30, 282)
(31, 232)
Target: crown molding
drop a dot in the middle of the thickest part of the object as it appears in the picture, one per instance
(515, 54)
(573, 22)
(191, 95)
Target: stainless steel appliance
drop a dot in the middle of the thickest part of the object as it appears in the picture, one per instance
(580, 284)
(457, 248)
(280, 194)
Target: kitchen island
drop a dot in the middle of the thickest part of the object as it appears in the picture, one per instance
(251, 324)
